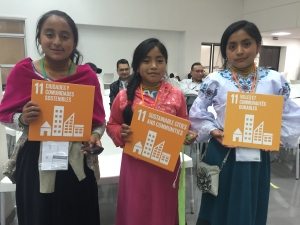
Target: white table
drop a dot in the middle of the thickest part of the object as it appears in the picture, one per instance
(110, 171)
(189, 165)
(110, 168)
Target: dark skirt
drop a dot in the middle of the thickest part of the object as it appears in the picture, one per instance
(72, 203)
(243, 190)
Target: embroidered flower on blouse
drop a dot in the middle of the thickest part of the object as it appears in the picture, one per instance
(226, 74)
(245, 83)
(285, 90)
(209, 93)
(203, 87)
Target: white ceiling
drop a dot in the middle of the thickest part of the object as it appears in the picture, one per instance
(295, 33)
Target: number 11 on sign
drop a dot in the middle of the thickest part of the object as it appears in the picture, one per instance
(234, 98)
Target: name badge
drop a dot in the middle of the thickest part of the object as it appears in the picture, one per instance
(247, 155)
(54, 155)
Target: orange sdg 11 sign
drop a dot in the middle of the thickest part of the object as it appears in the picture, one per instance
(157, 137)
(253, 120)
(66, 111)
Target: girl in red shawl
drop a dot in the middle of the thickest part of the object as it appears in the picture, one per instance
(147, 194)
(59, 197)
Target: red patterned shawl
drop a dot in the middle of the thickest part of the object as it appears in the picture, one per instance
(18, 90)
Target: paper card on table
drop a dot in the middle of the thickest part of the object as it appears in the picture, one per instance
(66, 111)
(253, 120)
(157, 137)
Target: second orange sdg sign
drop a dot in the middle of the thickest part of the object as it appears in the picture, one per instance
(157, 137)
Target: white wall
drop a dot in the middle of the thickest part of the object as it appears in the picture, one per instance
(270, 15)
(105, 45)
(290, 56)
(198, 21)
(111, 29)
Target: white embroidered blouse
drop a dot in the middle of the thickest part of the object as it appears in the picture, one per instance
(213, 92)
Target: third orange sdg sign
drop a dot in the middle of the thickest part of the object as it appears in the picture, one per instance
(157, 137)
(253, 120)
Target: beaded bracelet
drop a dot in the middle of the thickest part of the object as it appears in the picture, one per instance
(21, 123)
(96, 134)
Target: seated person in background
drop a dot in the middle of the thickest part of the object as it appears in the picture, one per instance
(123, 71)
(97, 71)
(94, 68)
(172, 80)
(171, 76)
(190, 87)
(178, 78)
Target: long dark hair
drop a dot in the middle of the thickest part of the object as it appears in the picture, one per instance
(140, 53)
(250, 28)
(75, 56)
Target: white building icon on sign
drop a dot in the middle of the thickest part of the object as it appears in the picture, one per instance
(165, 158)
(58, 118)
(138, 148)
(69, 125)
(150, 139)
(248, 128)
(66, 128)
(251, 134)
(150, 151)
(45, 129)
(157, 151)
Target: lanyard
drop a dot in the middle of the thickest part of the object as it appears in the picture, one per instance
(142, 94)
(253, 83)
(42, 65)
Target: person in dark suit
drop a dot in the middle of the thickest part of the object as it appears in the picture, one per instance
(123, 71)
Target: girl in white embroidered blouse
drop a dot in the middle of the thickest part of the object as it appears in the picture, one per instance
(243, 186)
